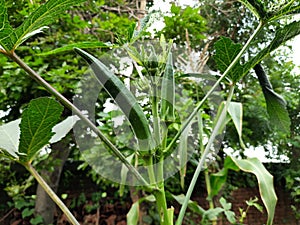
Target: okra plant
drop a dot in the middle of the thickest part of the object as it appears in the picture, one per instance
(156, 131)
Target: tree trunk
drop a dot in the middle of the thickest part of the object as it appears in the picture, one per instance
(44, 206)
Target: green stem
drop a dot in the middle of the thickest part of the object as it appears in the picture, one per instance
(52, 194)
(156, 119)
(76, 111)
(208, 189)
(199, 105)
(203, 157)
(206, 172)
(162, 207)
(159, 194)
(149, 163)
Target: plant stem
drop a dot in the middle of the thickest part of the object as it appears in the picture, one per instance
(51, 194)
(162, 207)
(76, 111)
(204, 155)
(150, 169)
(206, 172)
(156, 119)
(159, 194)
(208, 189)
(199, 105)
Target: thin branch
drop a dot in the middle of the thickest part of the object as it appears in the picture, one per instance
(7, 214)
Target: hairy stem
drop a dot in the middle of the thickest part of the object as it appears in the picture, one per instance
(52, 194)
(76, 111)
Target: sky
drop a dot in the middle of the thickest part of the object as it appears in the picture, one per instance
(296, 50)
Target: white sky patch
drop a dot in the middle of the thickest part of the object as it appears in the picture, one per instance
(260, 153)
(296, 46)
(296, 50)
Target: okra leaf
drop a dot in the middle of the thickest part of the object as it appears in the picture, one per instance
(256, 7)
(276, 105)
(37, 122)
(226, 51)
(7, 35)
(282, 35)
(9, 138)
(61, 129)
(292, 7)
(82, 45)
(10, 134)
(40, 18)
(269, 11)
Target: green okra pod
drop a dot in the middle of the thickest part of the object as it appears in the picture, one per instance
(168, 91)
(123, 97)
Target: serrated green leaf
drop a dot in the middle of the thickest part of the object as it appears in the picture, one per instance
(292, 7)
(82, 45)
(226, 51)
(265, 182)
(41, 17)
(9, 137)
(7, 35)
(256, 7)
(36, 126)
(282, 35)
(264, 12)
(276, 105)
